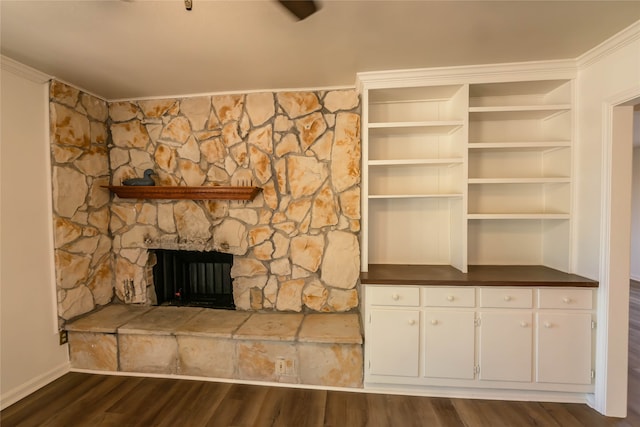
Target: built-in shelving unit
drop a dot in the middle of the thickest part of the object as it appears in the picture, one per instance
(181, 193)
(472, 173)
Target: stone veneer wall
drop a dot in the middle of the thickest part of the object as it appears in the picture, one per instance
(295, 246)
(80, 165)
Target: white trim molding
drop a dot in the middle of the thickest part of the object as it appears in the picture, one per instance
(12, 396)
(22, 70)
(612, 44)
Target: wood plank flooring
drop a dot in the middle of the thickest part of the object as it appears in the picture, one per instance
(102, 400)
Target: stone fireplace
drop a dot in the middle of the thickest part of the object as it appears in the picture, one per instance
(294, 247)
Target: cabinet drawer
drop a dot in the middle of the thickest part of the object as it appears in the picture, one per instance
(565, 298)
(449, 297)
(393, 295)
(506, 297)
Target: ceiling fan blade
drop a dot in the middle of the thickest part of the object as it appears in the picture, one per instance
(300, 8)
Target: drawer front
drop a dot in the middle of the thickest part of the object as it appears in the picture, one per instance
(506, 297)
(449, 297)
(566, 298)
(393, 295)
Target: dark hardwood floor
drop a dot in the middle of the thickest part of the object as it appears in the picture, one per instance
(102, 400)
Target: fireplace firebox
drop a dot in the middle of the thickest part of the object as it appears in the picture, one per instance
(189, 278)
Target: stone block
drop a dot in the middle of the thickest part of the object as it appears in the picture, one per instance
(257, 360)
(206, 356)
(157, 354)
(335, 365)
(95, 351)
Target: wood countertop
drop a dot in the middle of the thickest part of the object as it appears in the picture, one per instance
(478, 275)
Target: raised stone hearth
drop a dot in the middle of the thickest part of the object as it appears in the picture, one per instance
(315, 349)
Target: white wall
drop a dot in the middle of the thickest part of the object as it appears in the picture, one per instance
(635, 206)
(30, 355)
(606, 77)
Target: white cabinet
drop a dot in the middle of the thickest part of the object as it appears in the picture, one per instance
(524, 338)
(472, 173)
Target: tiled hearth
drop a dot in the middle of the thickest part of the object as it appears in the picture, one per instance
(315, 349)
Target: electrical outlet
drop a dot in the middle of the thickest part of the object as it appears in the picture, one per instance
(281, 366)
(64, 337)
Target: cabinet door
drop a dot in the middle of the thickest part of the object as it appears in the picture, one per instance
(449, 344)
(506, 346)
(394, 337)
(564, 348)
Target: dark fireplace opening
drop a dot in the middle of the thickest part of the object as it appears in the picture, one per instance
(189, 278)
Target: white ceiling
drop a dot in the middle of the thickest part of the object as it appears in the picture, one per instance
(133, 49)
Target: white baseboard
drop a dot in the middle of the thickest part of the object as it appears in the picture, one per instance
(635, 277)
(12, 396)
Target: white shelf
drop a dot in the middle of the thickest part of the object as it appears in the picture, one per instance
(427, 127)
(520, 145)
(558, 180)
(526, 112)
(524, 216)
(415, 196)
(426, 162)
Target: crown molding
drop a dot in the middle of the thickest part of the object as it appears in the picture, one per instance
(535, 70)
(18, 68)
(612, 44)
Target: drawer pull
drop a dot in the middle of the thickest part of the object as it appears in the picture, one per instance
(547, 324)
(507, 298)
(450, 298)
(395, 297)
(524, 324)
(434, 322)
(566, 300)
(412, 322)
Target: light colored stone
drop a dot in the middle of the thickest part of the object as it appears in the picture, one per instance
(75, 302)
(257, 359)
(103, 250)
(299, 272)
(100, 219)
(231, 237)
(118, 157)
(206, 357)
(99, 134)
(94, 162)
(131, 254)
(341, 262)
(259, 234)
(270, 194)
(345, 153)
(83, 246)
(298, 209)
(122, 111)
(165, 218)
(94, 351)
(138, 235)
(178, 129)
(331, 328)
(247, 267)
(261, 164)
(270, 292)
(156, 108)
(282, 123)
(191, 222)
(280, 267)
(262, 138)
(141, 160)
(260, 107)
(342, 300)
(213, 324)
(98, 195)
(65, 231)
(281, 176)
(129, 134)
(341, 100)
(315, 295)
(324, 212)
(213, 124)
(157, 354)
(100, 284)
(288, 144)
(243, 288)
(63, 93)
(217, 208)
(65, 154)
(281, 245)
(263, 251)
(127, 212)
(230, 166)
(190, 150)
(197, 110)
(290, 295)
(335, 365)
(248, 216)
(213, 150)
(191, 173)
(166, 158)
(270, 326)
(240, 154)
(70, 127)
(72, 269)
(148, 214)
(297, 104)
(305, 175)
(306, 251)
(310, 128)
(96, 108)
(350, 203)
(228, 107)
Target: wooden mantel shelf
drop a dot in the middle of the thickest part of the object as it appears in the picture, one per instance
(190, 193)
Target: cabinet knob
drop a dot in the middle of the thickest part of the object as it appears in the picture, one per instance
(547, 324)
(566, 300)
(524, 324)
(395, 297)
(507, 298)
(412, 322)
(434, 322)
(450, 298)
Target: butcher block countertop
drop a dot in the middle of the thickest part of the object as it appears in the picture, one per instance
(478, 275)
